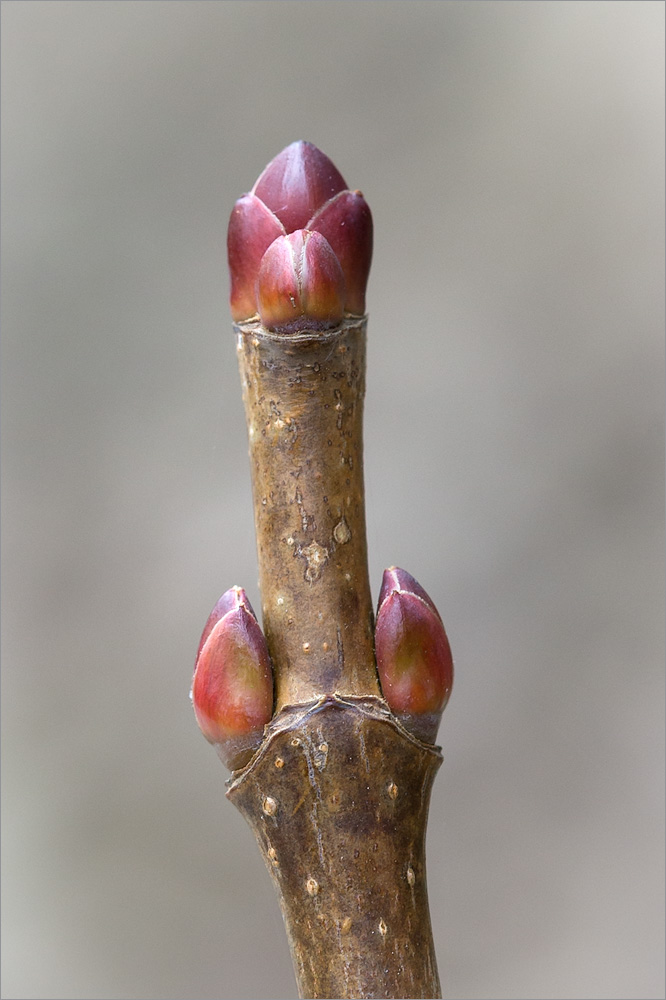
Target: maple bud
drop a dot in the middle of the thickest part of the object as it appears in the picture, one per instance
(414, 660)
(232, 689)
(300, 191)
(300, 284)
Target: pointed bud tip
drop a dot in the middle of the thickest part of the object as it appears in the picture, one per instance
(231, 599)
(400, 580)
(297, 182)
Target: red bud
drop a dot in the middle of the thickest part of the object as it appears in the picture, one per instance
(346, 223)
(297, 182)
(252, 229)
(413, 655)
(232, 690)
(299, 191)
(300, 284)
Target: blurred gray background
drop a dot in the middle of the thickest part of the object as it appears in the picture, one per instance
(512, 154)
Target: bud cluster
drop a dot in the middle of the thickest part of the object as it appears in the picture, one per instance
(299, 245)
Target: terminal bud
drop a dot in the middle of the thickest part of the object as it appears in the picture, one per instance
(299, 192)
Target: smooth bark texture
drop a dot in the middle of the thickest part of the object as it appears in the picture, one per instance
(338, 792)
(303, 398)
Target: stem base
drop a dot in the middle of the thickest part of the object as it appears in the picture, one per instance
(338, 799)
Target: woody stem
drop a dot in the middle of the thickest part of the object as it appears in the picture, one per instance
(338, 793)
(303, 398)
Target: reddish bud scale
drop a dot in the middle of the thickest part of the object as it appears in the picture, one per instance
(302, 282)
(252, 229)
(230, 600)
(297, 182)
(232, 689)
(414, 660)
(346, 223)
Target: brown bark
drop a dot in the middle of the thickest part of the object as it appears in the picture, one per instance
(303, 398)
(338, 793)
(338, 800)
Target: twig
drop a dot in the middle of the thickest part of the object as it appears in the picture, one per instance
(337, 785)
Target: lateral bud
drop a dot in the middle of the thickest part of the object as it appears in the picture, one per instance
(252, 229)
(300, 284)
(346, 223)
(414, 659)
(232, 688)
